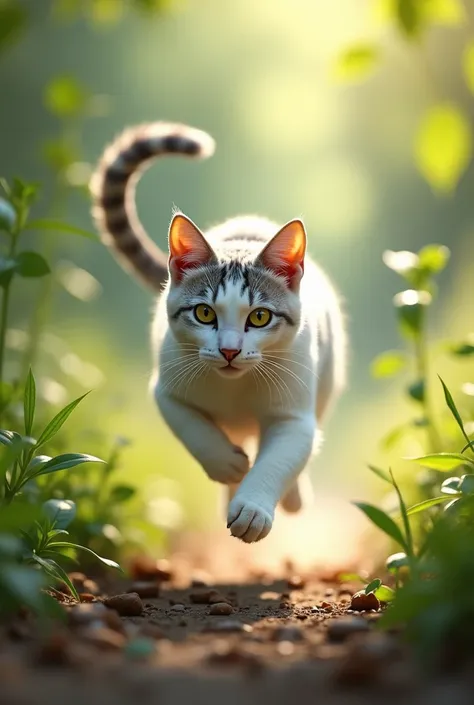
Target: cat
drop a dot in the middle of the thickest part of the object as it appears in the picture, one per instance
(248, 336)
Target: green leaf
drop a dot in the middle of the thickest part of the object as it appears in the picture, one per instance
(65, 544)
(57, 422)
(121, 493)
(383, 522)
(356, 62)
(64, 462)
(427, 504)
(397, 561)
(403, 262)
(410, 305)
(443, 146)
(403, 511)
(442, 461)
(416, 390)
(443, 12)
(59, 226)
(380, 473)
(451, 485)
(29, 402)
(466, 485)
(409, 17)
(462, 350)
(31, 264)
(468, 65)
(7, 268)
(433, 258)
(13, 19)
(60, 512)
(384, 593)
(373, 586)
(452, 407)
(65, 97)
(55, 571)
(7, 216)
(388, 364)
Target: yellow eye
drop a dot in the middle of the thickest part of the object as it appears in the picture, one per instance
(204, 314)
(259, 318)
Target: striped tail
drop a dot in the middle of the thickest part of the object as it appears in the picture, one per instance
(113, 192)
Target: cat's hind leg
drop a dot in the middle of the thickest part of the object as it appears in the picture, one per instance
(299, 496)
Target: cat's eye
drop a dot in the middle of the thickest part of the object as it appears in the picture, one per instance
(259, 318)
(204, 314)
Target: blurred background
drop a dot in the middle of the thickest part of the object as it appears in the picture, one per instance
(353, 114)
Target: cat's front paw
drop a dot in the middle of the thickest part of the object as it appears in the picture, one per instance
(228, 468)
(248, 520)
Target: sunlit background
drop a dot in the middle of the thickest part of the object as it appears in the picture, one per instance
(321, 110)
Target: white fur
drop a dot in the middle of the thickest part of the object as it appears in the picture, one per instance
(279, 401)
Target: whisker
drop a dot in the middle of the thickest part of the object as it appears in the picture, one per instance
(280, 383)
(287, 359)
(282, 368)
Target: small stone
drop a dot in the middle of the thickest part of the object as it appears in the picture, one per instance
(218, 597)
(228, 625)
(326, 606)
(104, 638)
(84, 613)
(140, 649)
(296, 582)
(178, 608)
(127, 604)
(145, 588)
(221, 608)
(288, 634)
(91, 587)
(362, 603)
(341, 629)
(285, 648)
(87, 597)
(202, 597)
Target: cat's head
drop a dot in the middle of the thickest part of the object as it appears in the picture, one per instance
(233, 310)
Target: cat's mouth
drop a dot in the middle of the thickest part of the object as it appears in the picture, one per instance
(230, 371)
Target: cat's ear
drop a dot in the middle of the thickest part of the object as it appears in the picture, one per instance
(284, 254)
(187, 246)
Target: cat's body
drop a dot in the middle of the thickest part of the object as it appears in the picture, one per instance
(245, 347)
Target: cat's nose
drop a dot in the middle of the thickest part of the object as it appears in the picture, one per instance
(229, 353)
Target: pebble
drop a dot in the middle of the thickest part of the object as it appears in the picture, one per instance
(145, 588)
(104, 638)
(202, 597)
(84, 613)
(296, 582)
(91, 587)
(228, 625)
(361, 602)
(178, 608)
(127, 604)
(221, 608)
(140, 649)
(340, 629)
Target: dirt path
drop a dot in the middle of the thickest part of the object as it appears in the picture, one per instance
(278, 642)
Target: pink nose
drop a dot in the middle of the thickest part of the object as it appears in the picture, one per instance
(229, 353)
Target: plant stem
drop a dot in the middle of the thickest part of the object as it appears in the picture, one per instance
(422, 368)
(6, 300)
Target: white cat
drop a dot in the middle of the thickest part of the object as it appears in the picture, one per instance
(245, 346)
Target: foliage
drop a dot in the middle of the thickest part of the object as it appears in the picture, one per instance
(442, 144)
(432, 570)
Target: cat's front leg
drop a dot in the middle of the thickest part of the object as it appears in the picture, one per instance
(285, 448)
(221, 460)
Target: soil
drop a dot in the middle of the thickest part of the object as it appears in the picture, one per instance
(189, 640)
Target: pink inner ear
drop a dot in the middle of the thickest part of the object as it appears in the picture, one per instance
(187, 245)
(285, 252)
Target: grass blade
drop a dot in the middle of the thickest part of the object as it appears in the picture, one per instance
(380, 473)
(406, 523)
(442, 461)
(66, 544)
(55, 571)
(428, 503)
(452, 407)
(29, 402)
(55, 424)
(383, 522)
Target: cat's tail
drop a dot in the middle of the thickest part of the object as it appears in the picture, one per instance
(113, 192)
